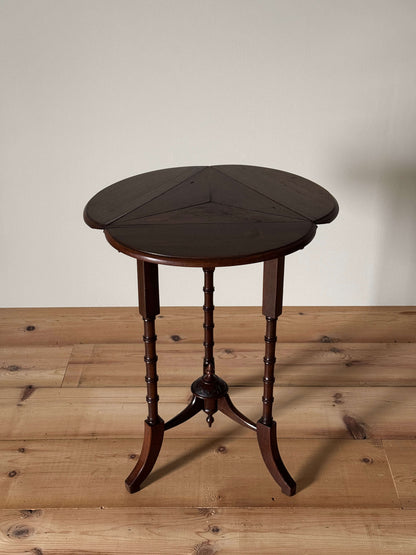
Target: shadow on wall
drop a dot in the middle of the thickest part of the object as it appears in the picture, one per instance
(393, 192)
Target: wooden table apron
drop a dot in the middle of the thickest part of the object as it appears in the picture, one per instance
(230, 211)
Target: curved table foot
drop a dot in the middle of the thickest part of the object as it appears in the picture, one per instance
(152, 442)
(188, 412)
(266, 436)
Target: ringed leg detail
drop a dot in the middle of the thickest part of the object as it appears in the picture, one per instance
(153, 426)
(266, 426)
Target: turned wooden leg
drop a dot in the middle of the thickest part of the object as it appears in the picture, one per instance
(208, 325)
(154, 425)
(210, 404)
(209, 387)
(266, 426)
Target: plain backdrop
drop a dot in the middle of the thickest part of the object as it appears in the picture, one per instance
(93, 91)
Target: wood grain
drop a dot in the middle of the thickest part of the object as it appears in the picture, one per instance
(90, 473)
(241, 364)
(402, 459)
(301, 412)
(68, 326)
(207, 530)
(234, 214)
(72, 405)
(118, 365)
(39, 366)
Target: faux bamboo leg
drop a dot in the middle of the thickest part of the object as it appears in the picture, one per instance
(266, 426)
(154, 425)
(210, 404)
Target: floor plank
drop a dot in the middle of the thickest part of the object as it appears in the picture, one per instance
(205, 531)
(39, 366)
(240, 364)
(193, 473)
(301, 412)
(401, 455)
(67, 326)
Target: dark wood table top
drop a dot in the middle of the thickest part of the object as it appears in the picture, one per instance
(211, 215)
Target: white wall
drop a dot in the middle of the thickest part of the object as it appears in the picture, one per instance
(97, 90)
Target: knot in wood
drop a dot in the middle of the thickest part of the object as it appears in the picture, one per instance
(31, 513)
(13, 368)
(215, 529)
(20, 531)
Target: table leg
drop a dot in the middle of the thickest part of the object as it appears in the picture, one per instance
(266, 426)
(209, 377)
(153, 426)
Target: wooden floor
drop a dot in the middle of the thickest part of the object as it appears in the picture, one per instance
(72, 405)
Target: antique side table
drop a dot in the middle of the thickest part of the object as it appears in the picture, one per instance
(209, 216)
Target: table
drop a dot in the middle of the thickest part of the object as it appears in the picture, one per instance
(210, 216)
